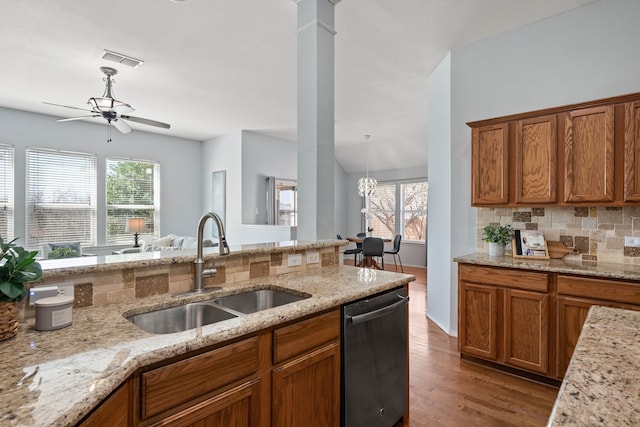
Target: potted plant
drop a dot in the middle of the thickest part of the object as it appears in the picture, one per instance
(17, 267)
(497, 236)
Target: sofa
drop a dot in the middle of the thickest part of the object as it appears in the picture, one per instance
(170, 242)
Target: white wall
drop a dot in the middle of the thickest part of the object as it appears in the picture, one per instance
(179, 164)
(264, 156)
(441, 192)
(224, 153)
(411, 254)
(585, 54)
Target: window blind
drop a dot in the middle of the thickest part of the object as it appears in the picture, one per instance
(133, 191)
(382, 207)
(414, 210)
(60, 197)
(6, 192)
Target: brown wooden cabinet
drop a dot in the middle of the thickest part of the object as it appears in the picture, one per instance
(632, 151)
(306, 378)
(575, 296)
(306, 390)
(238, 407)
(526, 330)
(114, 411)
(490, 165)
(536, 160)
(588, 155)
(582, 154)
(283, 376)
(503, 316)
(478, 319)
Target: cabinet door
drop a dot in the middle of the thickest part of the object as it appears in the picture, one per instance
(572, 313)
(589, 155)
(306, 390)
(490, 165)
(526, 330)
(478, 320)
(114, 411)
(238, 407)
(536, 160)
(632, 151)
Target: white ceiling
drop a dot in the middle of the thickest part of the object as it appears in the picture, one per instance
(213, 67)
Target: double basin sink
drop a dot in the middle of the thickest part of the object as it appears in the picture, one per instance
(196, 314)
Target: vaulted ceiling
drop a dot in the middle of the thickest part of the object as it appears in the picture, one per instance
(213, 67)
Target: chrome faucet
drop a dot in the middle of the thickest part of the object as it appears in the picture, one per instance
(223, 248)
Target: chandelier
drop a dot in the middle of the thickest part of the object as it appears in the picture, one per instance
(367, 185)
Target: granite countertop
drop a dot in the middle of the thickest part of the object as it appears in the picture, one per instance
(602, 384)
(57, 377)
(90, 264)
(584, 268)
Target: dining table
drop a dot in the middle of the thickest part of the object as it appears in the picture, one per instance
(368, 261)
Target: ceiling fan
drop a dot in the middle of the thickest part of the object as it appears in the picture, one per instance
(111, 109)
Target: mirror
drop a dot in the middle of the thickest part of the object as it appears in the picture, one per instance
(282, 201)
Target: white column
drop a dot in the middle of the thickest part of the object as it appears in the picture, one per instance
(316, 152)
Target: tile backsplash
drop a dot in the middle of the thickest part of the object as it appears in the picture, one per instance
(596, 232)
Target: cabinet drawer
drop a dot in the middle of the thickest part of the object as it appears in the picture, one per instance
(169, 386)
(608, 290)
(520, 279)
(292, 340)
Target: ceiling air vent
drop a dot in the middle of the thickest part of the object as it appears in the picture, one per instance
(121, 59)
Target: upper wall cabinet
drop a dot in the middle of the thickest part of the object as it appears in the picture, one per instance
(583, 154)
(536, 160)
(490, 165)
(588, 148)
(632, 151)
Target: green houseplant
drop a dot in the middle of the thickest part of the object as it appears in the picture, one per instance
(17, 267)
(497, 236)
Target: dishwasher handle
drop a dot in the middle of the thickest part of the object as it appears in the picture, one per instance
(365, 317)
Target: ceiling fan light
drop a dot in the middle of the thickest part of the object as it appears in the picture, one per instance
(104, 104)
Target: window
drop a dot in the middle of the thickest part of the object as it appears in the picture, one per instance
(405, 200)
(287, 201)
(6, 192)
(133, 191)
(61, 197)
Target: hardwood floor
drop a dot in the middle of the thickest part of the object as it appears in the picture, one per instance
(446, 391)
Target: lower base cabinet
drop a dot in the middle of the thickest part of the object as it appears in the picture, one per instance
(575, 296)
(284, 376)
(531, 320)
(503, 317)
(114, 411)
(306, 391)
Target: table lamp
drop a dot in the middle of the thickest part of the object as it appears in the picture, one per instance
(135, 226)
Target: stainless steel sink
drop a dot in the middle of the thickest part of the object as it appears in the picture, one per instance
(180, 318)
(257, 300)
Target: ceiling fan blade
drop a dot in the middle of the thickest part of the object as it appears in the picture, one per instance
(147, 122)
(121, 126)
(66, 106)
(77, 118)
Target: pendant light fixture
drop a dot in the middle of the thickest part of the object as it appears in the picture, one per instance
(367, 185)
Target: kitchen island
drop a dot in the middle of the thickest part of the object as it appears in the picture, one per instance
(58, 377)
(601, 386)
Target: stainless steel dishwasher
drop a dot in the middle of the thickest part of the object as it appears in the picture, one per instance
(374, 360)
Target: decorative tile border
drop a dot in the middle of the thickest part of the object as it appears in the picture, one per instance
(596, 232)
(115, 286)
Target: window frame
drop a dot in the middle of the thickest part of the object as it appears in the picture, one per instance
(126, 237)
(7, 188)
(399, 211)
(90, 185)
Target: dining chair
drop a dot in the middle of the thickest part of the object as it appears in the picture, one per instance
(373, 247)
(355, 251)
(396, 251)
